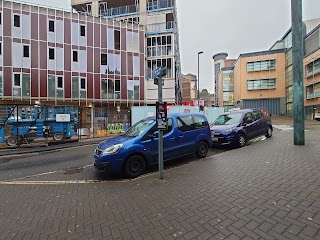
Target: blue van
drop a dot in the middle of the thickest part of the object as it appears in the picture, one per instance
(132, 152)
(237, 127)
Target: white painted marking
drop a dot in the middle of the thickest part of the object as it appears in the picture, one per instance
(283, 127)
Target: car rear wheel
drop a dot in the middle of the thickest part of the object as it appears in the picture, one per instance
(58, 136)
(134, 166)
(269, 132)
(202, 149)
(242, 141)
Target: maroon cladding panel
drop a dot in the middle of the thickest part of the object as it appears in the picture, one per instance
(90, 34)
(67, 31)
(97, 57)
(26, 70)
(7, 77)
(43, 83)
(123, 63)
(43, 55)
(130, 64)
(103, 36)
(34, 25)
(141, 88)
(124, 93)
(7, 29)
(97, 35)
(123, 38)
(7, 51)
(90, 60)
(142, 68)
(90, 85)
(34, 83)
(43, 27)
(67, 84)
(67, 57)
(141, 40)
(34, 54)
(97, 86)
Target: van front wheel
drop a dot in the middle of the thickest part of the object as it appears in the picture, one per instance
(202, 149)
(134, 166)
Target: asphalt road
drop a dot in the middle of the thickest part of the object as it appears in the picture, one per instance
(64, 160)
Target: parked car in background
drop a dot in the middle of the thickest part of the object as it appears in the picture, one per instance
(132, 152)
(237, 127)
(317, 116)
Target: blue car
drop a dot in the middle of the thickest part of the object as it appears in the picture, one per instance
(237, 127)
(132, 152)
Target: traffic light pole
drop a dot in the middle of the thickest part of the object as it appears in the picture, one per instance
(160, 132)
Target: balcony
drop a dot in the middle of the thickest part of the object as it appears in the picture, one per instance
(312, 73)
(119, 11)
(313, 95)
(157, 28)
(159, 5)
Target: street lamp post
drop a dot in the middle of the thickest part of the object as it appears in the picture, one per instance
(199, 81)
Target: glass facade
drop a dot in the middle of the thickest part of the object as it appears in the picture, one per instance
(228, 88)
(289, 79)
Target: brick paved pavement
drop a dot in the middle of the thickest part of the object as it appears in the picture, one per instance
(267, 190)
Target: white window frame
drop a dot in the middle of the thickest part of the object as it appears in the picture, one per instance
(85, 82)
(13, 84)
(19, 20)
(59, 88)
(23, 50)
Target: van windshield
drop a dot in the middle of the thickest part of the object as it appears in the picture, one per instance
(138, 128)
(228, 119)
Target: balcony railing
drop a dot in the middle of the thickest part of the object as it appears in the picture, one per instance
(160, 5)
(156, 28)
(313, 95)
(125, 10)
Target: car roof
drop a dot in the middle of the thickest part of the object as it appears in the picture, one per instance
(175, 115)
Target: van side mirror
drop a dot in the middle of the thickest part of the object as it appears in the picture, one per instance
(154, 135)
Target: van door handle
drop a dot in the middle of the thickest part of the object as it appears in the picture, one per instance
(181, 136)
(172, 138)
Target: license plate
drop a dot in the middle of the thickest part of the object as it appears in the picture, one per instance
(215, 139)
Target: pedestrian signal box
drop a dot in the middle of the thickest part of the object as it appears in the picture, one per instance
(162, 120)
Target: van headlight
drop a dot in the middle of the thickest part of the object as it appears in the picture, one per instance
(230, 130)
(113, 149)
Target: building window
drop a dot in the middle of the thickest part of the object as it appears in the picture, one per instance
(261, 84)
(110, 89)
(0, 48)
(60, 83)
(82, 84)
(51, 53)
(16, 20)
(26, 51)
(75, 56)
(82, 30)
(117, 39)
(104, 58)
(16, 80)
(51, 26)
(261, 65)
(313, 68)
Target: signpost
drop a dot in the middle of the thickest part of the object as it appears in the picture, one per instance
(161, 115)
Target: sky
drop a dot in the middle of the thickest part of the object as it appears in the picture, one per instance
(231, 26)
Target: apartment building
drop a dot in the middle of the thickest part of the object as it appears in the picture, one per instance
(264, 79)
(57, 57)
(159, 17)
(189, 88)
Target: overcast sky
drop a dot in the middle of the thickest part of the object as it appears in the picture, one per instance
(232, 26)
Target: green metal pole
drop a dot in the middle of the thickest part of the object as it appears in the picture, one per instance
(297, 68)
(160, 132)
